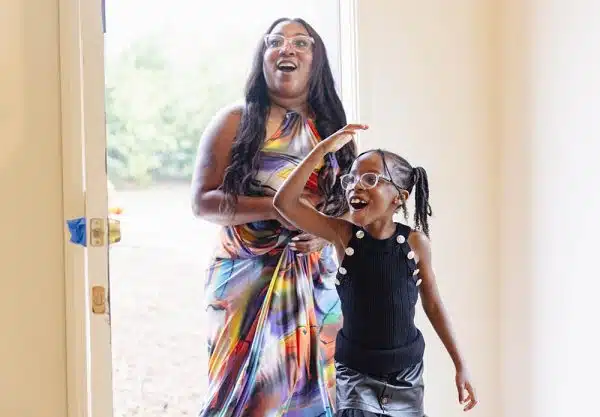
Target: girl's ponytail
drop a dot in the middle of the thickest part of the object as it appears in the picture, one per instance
(422, 207)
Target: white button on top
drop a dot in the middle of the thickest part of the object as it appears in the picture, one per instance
(401, 239)
(342, 270)
(384, 400)
(349, 251)
(360, 234)
(410, 255)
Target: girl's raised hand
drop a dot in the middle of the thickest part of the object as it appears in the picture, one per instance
(340, 138)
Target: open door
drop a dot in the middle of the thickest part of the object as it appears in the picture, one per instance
(96, 206)
(85, 198)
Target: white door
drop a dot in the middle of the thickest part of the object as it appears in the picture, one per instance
(85, 196)
(85, 143)
(96, 207)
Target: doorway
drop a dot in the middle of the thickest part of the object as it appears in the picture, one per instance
(168, 70)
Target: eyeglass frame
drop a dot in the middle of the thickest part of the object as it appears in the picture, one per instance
(310, 39)
(389, 180)
(360, 180)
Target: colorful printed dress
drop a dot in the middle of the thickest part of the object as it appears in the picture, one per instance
(274, 313)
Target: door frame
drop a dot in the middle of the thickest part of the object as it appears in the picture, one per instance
(73, 206)
(81, 59)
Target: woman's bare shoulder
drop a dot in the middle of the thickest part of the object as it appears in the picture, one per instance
(229, 116)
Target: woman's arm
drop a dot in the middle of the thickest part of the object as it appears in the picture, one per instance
(438, 316)
(213, 157)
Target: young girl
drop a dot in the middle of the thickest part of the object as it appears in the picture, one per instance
(384, 266)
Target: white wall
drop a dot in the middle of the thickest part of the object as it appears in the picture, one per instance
(32, 302)
(427, 91)
(498, 100)
(516, 205)
(551, 146)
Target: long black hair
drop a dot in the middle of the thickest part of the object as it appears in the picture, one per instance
(329, 117)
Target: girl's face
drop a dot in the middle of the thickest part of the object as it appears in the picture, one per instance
(370, 194)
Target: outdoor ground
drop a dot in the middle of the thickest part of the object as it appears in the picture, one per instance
(156, 275)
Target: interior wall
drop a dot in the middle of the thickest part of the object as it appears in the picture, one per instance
(428, 91)
(550, 148)
(516, 238)
(32, 301)
(564, 72)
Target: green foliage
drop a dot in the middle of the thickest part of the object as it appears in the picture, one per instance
(158, 102)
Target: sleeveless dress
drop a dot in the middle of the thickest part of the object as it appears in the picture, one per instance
(274, 313)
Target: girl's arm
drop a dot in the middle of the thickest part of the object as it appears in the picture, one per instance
(302, 215)
(288, 199)
(438, 316)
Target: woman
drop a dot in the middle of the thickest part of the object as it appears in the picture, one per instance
(271, 300)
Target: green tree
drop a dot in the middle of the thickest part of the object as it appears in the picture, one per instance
(157, 108)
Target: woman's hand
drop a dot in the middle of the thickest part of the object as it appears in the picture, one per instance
(339, 139)
(307, 243)
(466, 392)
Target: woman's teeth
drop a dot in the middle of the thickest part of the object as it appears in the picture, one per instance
(286, 66)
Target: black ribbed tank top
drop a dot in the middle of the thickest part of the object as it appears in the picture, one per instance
(378, 288)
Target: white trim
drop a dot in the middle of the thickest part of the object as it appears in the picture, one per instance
(349, 58)
(73, 207)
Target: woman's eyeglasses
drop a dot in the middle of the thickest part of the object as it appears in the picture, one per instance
(301, 43)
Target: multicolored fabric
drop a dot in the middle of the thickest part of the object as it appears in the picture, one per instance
(274, 313)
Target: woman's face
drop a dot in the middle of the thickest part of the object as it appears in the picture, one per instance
(288, 59)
